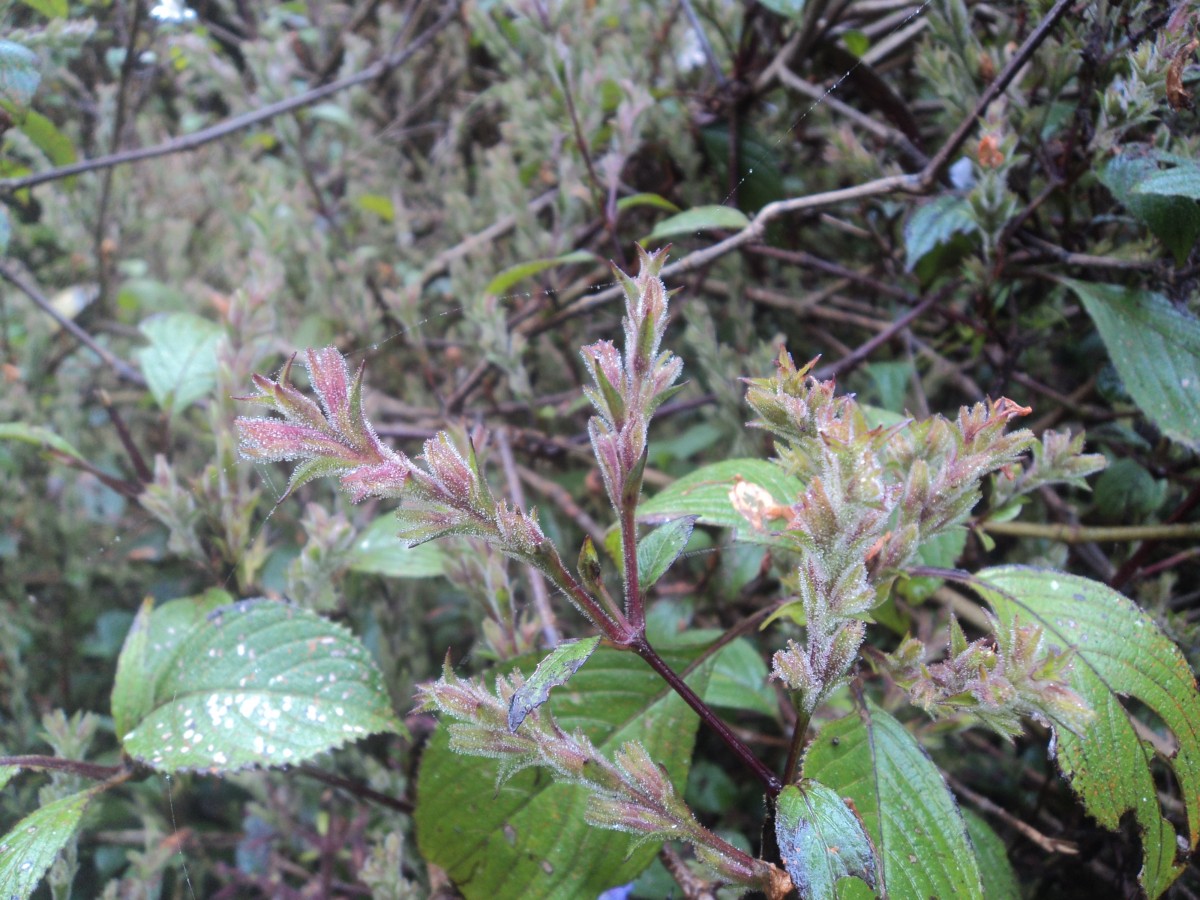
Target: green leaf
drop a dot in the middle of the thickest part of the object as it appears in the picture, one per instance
(655, 200)
(180, 364)
(857, 42)
(700, 218)
(821, 840)
(36, 434)
(152, 642)
(47, 138)
(19, 76)
(499, 285)
(995, 871)
(151, 295)
(256, 683)
(378, 551)
(660, 548)
(29, 849)
(378, 205)
(1126, 492)
(739, 680)
(1174, 219)
(553, 671)
(1155, 347)
(333, 114)
(935, 223)
(1181, 181)
(789, 9)
(758, 176)
(939, 551)
(1120, 652)
(704, 493)
(911, 816)
(739, 673)
(51, 9)
(891, 380)
(527, 839)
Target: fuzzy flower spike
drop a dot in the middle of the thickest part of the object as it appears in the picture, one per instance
(332, 439)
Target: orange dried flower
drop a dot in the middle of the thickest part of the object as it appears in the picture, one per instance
(989, 154)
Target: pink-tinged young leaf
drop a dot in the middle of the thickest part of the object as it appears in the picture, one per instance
(330, 381)
(291, 403)
(387, 479)
(276, 440)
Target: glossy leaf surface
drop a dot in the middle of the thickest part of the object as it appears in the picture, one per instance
(255, 683)
(700, 218)
(660, 548)
(704, 494)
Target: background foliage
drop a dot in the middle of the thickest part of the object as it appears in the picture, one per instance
(441, 203)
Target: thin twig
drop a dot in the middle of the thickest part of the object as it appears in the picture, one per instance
(752, 233)
(884, 132)
(58, 764)
(702, 39)
(27, 287)
(140, 468)
(127, 67)
(693, 888)
(1135, 561)
(769, 780)
(442, 261)
(562, 498)
(1075, 534)
(224, 129)
(357, 789)
(1049, 844)
(748, 235)
(864, 350)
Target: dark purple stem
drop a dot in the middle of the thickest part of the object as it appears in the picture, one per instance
(613, 626)
(769, 779)
(74, 766)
